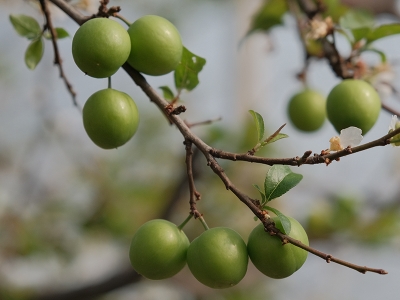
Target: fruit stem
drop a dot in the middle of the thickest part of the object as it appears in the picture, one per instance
(109, 82)
(118, 16)
(204, 223)
(180, 227)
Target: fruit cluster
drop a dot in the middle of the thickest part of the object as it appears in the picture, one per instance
(152, 45)
(218, 258)
(350, 103)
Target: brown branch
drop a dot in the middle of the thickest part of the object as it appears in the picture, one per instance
(194, 194)
(327, 257)
(71, 11)
(306, 158)
(106, 12)
(211, 155)
(390, 109)
(57, 57)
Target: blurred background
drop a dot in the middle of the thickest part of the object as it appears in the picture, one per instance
(68, 209)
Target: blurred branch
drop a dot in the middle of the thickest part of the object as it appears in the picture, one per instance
(71, 11)
(57, 58)
(127, 275)
(118, 280)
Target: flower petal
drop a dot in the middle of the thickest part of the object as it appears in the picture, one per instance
(350, 136)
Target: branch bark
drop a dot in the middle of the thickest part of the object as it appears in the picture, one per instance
(57, 57)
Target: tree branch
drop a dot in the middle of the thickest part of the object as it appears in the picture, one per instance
(211, 154)
(71, 11)
(194, 194)
(327, 257)
(57, 57)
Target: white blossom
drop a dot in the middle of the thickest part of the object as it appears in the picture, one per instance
(349, 137)
(394, 124)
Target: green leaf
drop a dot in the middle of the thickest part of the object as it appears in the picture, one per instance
(269, 15)
(360, 33)
(258, 119)
(61, 33)
(353, 19)
(34, 53)
(286, 225)
(383, 31)
(279, 180)
(26, 26)
(261, 193)
(167, 92)
(275, 138)
(334, 9)
(187, 71)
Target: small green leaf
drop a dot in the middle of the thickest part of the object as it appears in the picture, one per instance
(186, 73)
(353, 19)
(26, 26)
(268, 16)
(34, 53)
(167, 92)
(383, 31)
(61, 33)
(334, 9)
(279, 180)
(275, 138)
(261, 193)
(258, 119)
(360, 33)
(286, 225)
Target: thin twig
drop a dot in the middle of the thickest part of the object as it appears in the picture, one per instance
(207, 122)
(327, 257)
(194, 194)
(123, 19)
(390, 109)
(71, 11)
(57, 57)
